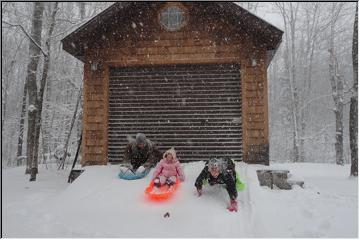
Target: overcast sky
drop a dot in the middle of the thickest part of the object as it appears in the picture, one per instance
(268, 14)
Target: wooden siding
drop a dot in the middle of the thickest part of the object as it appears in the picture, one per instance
(94, 142)
(203, 41)
(255, 110)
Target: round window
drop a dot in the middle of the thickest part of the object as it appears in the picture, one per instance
(172, 18)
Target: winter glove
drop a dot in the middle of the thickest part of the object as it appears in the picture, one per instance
(199, 191)
(233, 206)
(140, 170)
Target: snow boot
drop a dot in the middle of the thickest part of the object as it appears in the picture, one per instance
(169, 182)
(140, 170)
(157, 183)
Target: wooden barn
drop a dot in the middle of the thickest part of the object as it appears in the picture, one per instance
(192, 75)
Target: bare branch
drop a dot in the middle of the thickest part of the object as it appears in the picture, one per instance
(312, 100)
(318, 133)
(27, 34)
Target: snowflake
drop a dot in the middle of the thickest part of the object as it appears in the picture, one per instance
(31, 108)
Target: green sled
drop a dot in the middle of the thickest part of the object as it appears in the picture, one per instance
(239, 184)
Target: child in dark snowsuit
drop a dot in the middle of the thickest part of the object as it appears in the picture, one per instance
(220, 171)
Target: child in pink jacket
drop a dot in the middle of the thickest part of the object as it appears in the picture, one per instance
(168, 170)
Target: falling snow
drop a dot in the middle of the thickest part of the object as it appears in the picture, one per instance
(133, 25)
(31, 108)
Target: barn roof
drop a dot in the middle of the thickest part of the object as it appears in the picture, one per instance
(76, 42)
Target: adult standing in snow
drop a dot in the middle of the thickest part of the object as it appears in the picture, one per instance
(141, 153)
(220, 171)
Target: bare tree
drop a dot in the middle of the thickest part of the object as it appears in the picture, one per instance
(11, 70)
(337, 86)
(301, 61)
(64, 76)
(21, 127)
(309, 39)
(289, 13)
(82, 7)
(353, 125)
(7, 80)
(44, 77)
(34, 53)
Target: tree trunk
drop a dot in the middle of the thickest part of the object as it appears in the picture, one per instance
(21, 131)
(40, 96)
(311, 27)
(46, 121)
(293, 88)
(337, 87)
(353, 125)
(82, 7)
(34, 53)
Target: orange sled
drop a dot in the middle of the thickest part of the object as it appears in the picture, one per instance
(162, 193)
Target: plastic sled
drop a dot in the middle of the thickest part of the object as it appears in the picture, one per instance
(239, 184)
(130, 175)
(162, 193)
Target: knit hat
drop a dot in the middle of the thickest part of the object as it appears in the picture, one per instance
(140, 139)
(172, 152)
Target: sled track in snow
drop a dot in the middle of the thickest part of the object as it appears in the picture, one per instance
(245, 206)
(252, 215)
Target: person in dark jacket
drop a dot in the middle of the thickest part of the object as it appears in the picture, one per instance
(219, 171)
(141, 153)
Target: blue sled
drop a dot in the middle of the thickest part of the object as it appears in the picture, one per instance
(130, 175)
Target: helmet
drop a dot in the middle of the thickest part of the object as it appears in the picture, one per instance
(215, 164)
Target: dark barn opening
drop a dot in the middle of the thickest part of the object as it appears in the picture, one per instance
(194, 108)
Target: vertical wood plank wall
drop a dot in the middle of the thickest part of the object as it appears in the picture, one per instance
(255, 111)
(94, 117)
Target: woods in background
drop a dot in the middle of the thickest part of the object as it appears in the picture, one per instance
(311, 82)
(40, 82)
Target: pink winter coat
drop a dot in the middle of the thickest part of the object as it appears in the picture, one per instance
(163, 168)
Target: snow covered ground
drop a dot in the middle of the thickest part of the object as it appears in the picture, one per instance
(98, 204)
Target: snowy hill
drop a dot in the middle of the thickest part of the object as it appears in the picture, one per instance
(98, 204)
